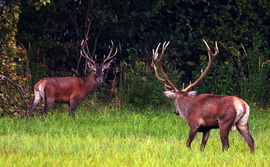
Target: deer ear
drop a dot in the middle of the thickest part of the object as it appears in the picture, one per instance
(192, 93)
(91, 66)
(169, 94)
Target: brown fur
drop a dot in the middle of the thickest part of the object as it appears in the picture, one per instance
(206, 111)
(70, 90)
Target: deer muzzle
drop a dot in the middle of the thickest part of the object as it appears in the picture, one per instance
(99, 79)
(175, 111)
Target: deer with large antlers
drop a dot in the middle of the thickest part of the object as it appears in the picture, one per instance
(206, 111)
(70, 90)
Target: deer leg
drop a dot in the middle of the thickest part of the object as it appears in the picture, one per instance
(72, 106)
(48, 104)
(72, 110)
(225, 127)
(224, 139)
(192, 134)
(36, 101)
(205, 138)
(244, 131)
(32, 108)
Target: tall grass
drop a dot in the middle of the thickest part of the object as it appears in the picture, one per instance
(125, 137)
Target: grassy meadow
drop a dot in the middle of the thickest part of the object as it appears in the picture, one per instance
(126, 137)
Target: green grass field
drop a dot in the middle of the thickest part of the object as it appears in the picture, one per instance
(125, 138)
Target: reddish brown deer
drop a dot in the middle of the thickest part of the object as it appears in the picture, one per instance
(206, 111)
(70, 90)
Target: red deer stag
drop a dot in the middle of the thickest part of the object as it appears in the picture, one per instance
(70, 90)
(206, 111)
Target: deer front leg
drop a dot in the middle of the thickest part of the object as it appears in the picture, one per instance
(72, 106)
(225, 128)
(192, 135)
(72, 110)
(205, 138)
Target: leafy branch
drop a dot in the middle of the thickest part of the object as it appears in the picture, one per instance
(17, 87)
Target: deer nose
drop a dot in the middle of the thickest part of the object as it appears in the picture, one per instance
(176, 112)
(99, 79)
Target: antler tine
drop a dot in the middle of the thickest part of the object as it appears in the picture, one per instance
(167, 86)
(83, 53)
(157, 63)
(109, 55)
(211, 59)
(155, 53)
(209, 50)
(164, 46)
(161, 79)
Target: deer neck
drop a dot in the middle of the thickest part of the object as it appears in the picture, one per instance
(90, 83)
(182, 103)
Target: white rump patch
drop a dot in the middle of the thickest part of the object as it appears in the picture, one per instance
(40, 90)
(241, 115)
(39, 93)
(38, 96)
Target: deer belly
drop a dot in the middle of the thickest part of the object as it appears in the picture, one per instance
(213, 123)
(62, 99)
(209, 117)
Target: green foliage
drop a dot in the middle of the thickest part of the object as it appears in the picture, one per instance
(241, 74)
(140, 88)
(222, 74)
(43, 41)
(38, 3)
(52, 36)
(12, 58)
(255, 83)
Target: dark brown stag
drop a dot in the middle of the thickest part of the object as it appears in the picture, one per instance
(70, 90)
(206, 111)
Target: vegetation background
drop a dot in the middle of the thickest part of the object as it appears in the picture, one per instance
(42, 38)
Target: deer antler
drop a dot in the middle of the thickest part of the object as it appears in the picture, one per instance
(109, 55)
(83, 53)
(157, 63)
(211, 59)
(168, 83)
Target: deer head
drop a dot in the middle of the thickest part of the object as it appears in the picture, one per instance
(98, 69)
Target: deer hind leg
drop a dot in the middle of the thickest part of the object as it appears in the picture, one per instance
(48, 104)
(205, 137)
(244, 131)
(243, 128)
(37, 100)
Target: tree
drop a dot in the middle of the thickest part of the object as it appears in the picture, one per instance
(13, 59)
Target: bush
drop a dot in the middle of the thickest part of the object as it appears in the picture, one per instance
(141, 88)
